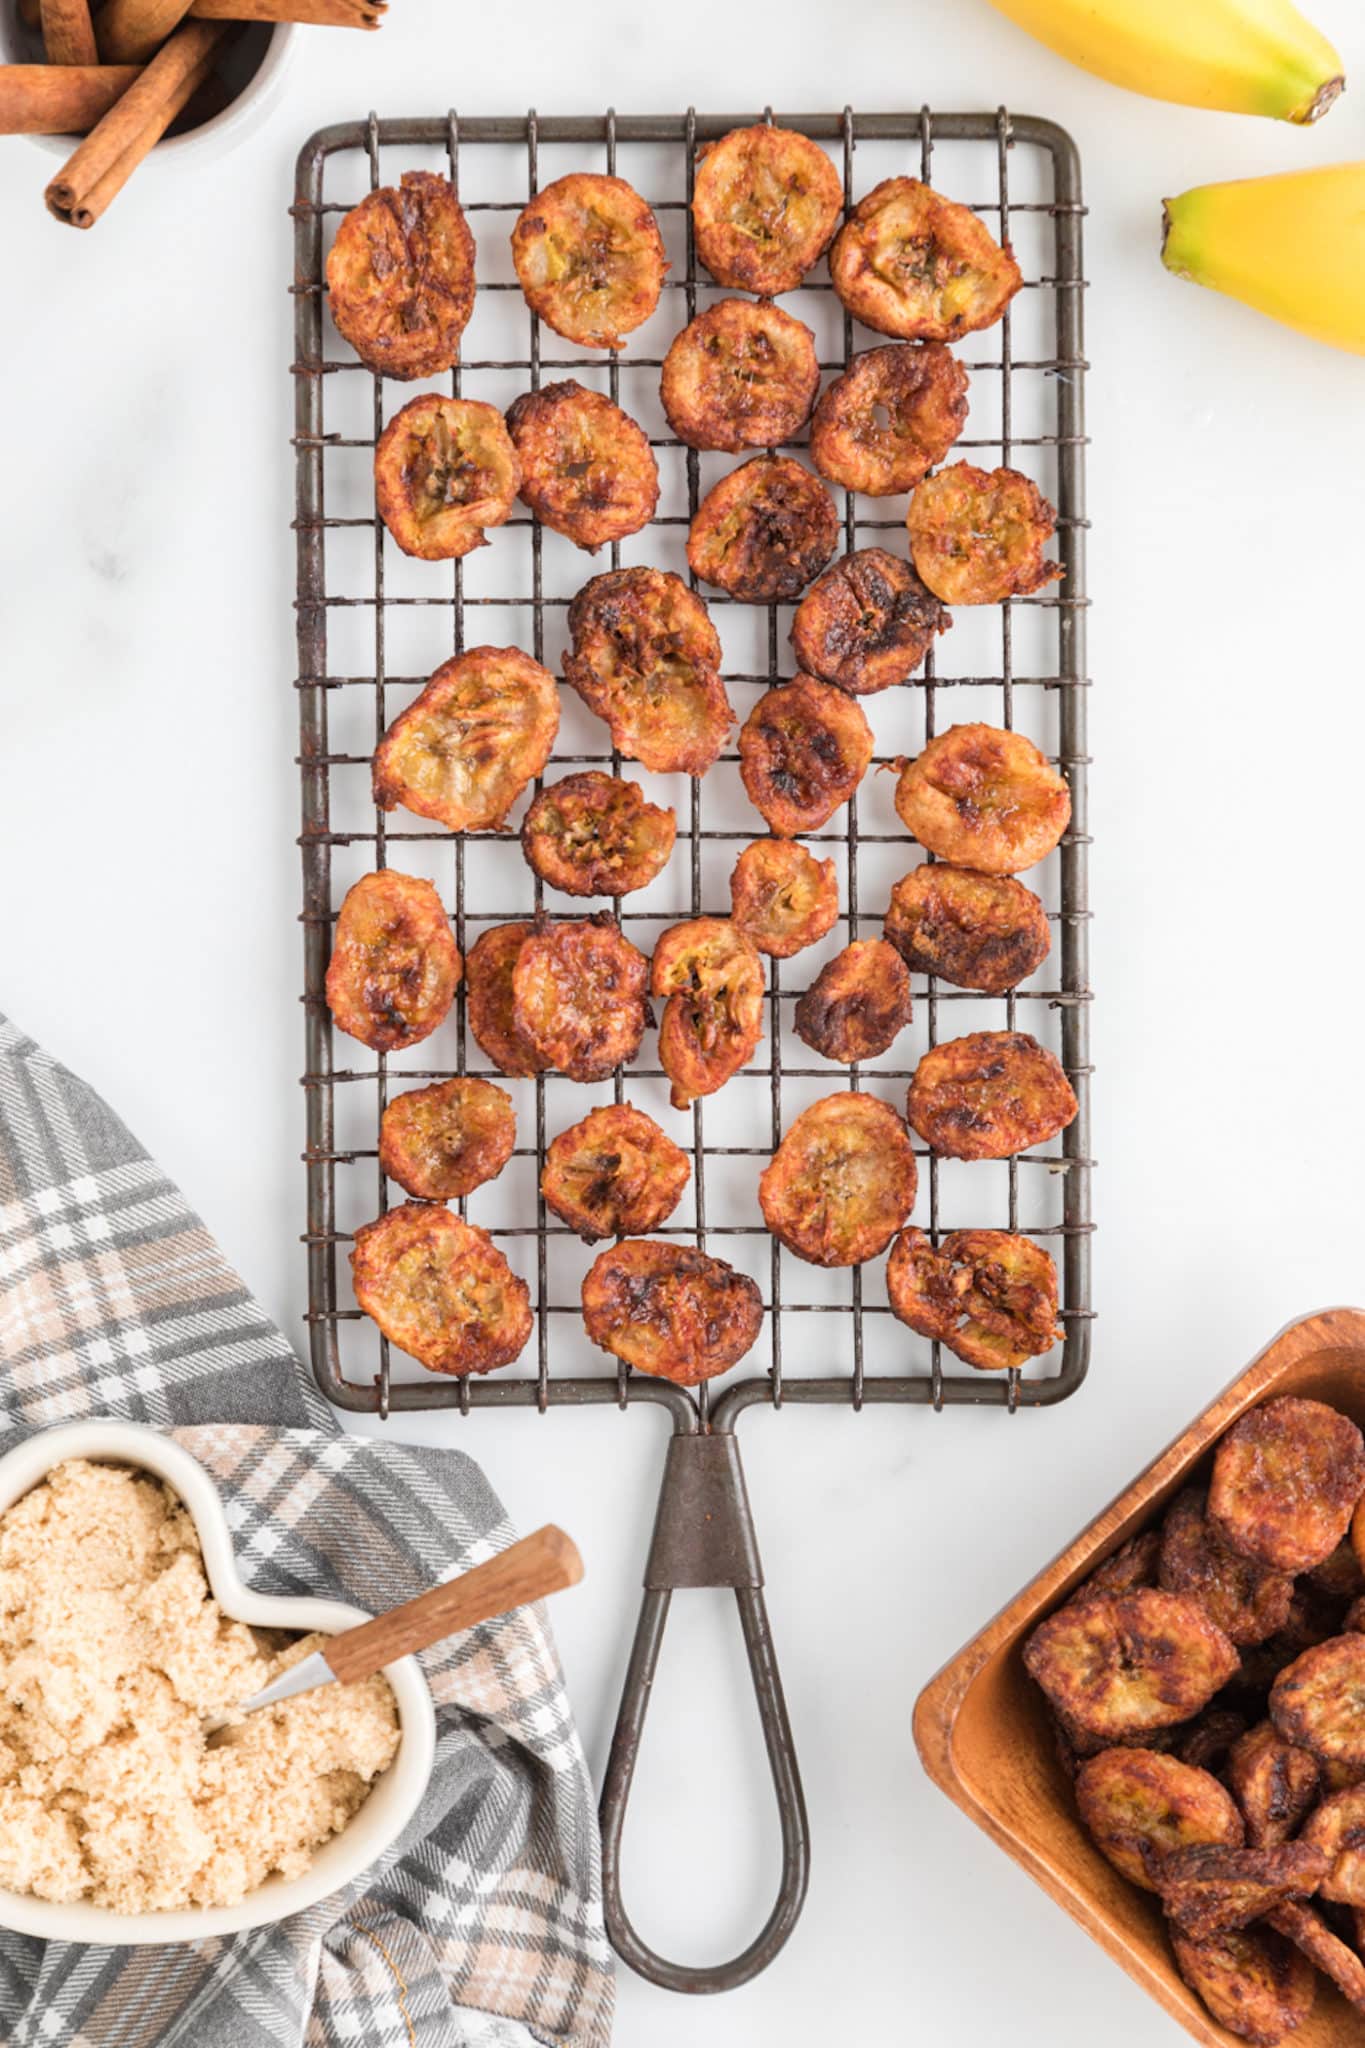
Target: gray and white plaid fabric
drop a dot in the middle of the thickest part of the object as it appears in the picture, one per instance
(483, 1928)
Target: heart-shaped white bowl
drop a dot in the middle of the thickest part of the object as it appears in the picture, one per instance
(394, 1797)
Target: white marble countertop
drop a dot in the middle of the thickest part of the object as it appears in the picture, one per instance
(148, 808)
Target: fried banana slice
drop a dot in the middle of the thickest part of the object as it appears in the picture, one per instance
(587, 470)
(988, 1095)
(400, 277)
(977, 931)
(614, 1174)
(646, 658)
(764, 208)
(985, 798)
(1122, 1663)
(1135, 1563)
(464, 751)
(669, 1310)
(740, 376)
(395, 966)
(895, 412)
(1339, 1576)
(763, 531)
(1338, 1830)
(803, 750)
(1310, 1622)
(444, 471)
(1309, 1932)
(1135, 1803)
(910, 263)
(589, 258)
(1286, 1480)
(1253, 1982)
(489, 1001)
(989, 1295)
(783, 897)
(977, 536)
(1208, 1889)
(595, 835)
(1248, 1601)
(1318, 1702)
(709, 972)
(1211, 1739)
(440, 1290)
(1275, 1784)
(867, 623)
(1353, 1622)
(578, 996)
(446, 1140)
(858, 1003)
(841, 1183)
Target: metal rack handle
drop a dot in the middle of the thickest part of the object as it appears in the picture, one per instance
(704, 1536)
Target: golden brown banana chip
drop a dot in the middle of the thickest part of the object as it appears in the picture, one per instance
(464, 750)
(1121, 1663)
(841, 1183)
(595, 835)
(867, 623)
(646, 658)
(589, 258)
(763, 531)
(1309, 1931)
(578, 996)
(1211, 1738)
(1337, 1828)
(1339, 1576)
(1136, 1800)
(984, 797)
(783, 897)
(803, 750)
(446, 1140)
(444, 470)
(440, 1290)
(977, 931)
(764, 208)
(614, 1174)
(395, 966)
(587, 469)
(1286, 1479)
(670, 1310)
(1248, 1602)
(1275, 1784)
(989, 1295)
(989, 1094)
(489, 1000)
(1135, 1563)
(400, 277)
(1311, 1621)
(910, 263)
(893, 414)
(1208, 1889)
(1318, 1702)
(1254, 1982)
(711, 976)
(858, 1003)
(740, 376)
(977, 536)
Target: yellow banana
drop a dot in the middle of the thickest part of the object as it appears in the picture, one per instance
(1243, 56)
(1292, 245)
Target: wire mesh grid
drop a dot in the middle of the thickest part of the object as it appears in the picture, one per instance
(372, 626)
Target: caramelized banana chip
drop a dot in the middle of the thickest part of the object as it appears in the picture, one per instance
(589, 258)
(1337, 1829)
(1318, 1702)
(1309, 1932)
(440, 1290)
(1339, 1576)
(989, 1295)
(446, 1140)
(445, 469)
(977, 536)
(740, 376)
(783, 898)
(614, 1174)
(578, 997)
(858, 1003)
(400, 277)
(764, 208)
(977, 931)
(489, 1006)
(866, 623)
(711, 976)
(763, 531)
(803, 750)
(646, 658)
(465, 750)
(1286, 1480)
(1211, 1739)
(1209, 1890)
(595, 835)
(395, 966)
(1254, 1982)
(841, 1183)
(894, 413)
(1248, 1601)
(1135, 1563)
(984, 797)
(1275, 1784)
(911, 263)
(1137, 1803)
(669, 1310)
(988, 1095)
(1123, 1663)
(587, 470)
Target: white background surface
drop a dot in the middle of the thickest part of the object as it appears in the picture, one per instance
(147, 930)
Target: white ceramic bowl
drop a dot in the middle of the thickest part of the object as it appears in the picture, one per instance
(394, 1797)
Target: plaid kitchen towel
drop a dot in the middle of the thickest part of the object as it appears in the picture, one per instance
(483, 1928)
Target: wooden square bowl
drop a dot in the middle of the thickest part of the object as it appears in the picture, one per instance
(983, 1732)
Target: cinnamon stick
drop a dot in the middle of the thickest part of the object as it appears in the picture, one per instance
(327, 13)
(59, 99)
(131, 31)
(101, 166)
(67, 34)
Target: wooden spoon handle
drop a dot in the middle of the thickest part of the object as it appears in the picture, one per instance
(545, 1562)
